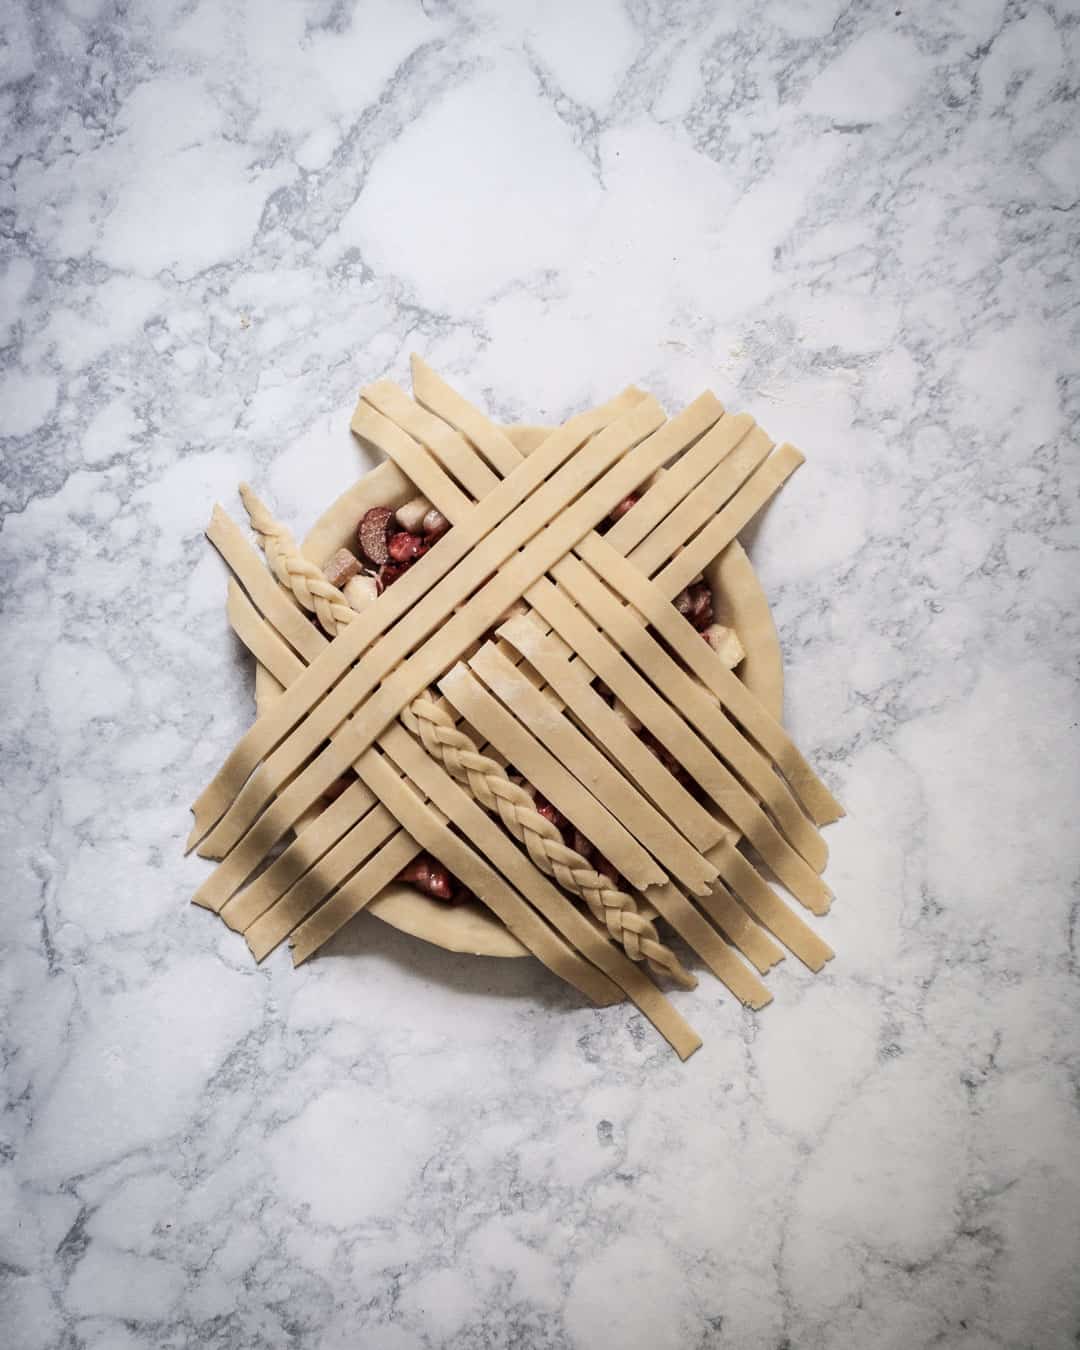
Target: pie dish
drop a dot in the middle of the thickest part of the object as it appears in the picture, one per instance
(523, 698)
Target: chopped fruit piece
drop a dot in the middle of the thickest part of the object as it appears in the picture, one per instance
(361, 592)
(372, 532)
(342, 567)
(725, 643)
(581, 845)
(619, 511)
(411, 516)
(435, 524)
(388, 574)
(683, 603)
(429, 876)
(552, 813)
(404, 547)
(701, 605)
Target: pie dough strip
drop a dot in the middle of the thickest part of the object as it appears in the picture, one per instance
(400, 599)
(673, 732)
(714, 674)
(743, 880)
(432, 392)
(595, 772)
(412, 676)
(452, 450)
(274, 923)
(546, 653)
(327, 872)
(699, 934)
(698, 506)
(500, 851)
(695, 704)
(723, 528)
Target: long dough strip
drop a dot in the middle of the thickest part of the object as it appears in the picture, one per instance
(452, 450)
(432, 392)
(500, 849)
(327, 871)
(540, 768)
(694, 702)
(707, 666)
(597, 774)
(400, 599)
(697, 506)
(414, 675)
(723, 528)
(672, 731)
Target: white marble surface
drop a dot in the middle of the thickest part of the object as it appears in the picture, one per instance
(859, 224)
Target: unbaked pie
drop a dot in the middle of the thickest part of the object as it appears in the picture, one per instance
(498, 703)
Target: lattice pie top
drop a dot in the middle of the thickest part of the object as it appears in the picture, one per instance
(524, 708)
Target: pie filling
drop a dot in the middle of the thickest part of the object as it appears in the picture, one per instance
(388, 542)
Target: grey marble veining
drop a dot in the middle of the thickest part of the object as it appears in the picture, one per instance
(859, 223)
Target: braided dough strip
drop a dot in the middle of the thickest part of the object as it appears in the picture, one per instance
(694, 702)
(274, 923)
(723, 683)
(469, 622)
(424, 666)
(596, 773)
(400, 599)
(669, 728)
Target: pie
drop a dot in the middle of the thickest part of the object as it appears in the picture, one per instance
(497, 703)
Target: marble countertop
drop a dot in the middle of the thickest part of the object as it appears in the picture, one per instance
(859, 224)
